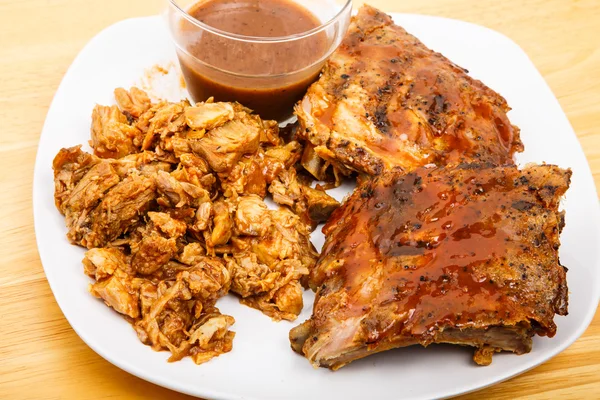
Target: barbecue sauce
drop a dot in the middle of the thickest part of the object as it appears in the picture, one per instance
(266, 77)
(444, 248)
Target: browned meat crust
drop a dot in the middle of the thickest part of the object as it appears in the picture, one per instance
(465, 255)
(385, 100)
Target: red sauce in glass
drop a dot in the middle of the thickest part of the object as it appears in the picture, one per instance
(262, 76)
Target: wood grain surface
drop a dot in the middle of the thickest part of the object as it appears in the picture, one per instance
(41, 357)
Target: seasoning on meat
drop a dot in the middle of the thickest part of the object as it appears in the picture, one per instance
(465, 255)
(385, 100)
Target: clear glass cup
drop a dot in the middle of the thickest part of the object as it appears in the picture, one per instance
(275, 72)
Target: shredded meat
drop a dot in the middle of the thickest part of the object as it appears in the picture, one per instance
(170, 206)
(117, 211)
(312, 205)
(112, 136)
(272, 253)
(206, 116)
(133, 103)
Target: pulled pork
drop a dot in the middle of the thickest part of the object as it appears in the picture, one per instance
(171, 208)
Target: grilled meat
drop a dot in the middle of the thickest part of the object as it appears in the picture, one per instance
(465, 255)
(385, 100)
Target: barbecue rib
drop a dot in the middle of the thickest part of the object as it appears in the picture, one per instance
(465, 255)
(385, 100)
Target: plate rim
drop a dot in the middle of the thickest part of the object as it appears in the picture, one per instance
(123, 364)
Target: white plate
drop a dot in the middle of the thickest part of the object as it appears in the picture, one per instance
(261, 365)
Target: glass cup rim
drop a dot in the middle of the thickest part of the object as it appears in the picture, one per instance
(260, 39)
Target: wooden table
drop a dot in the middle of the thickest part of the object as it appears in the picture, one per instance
(41, 357)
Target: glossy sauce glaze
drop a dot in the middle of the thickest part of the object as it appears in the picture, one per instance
(266, 77)
(443, 249)
(416, 105)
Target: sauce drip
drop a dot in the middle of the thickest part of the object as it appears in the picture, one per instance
(265, 76)
(437, 245)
